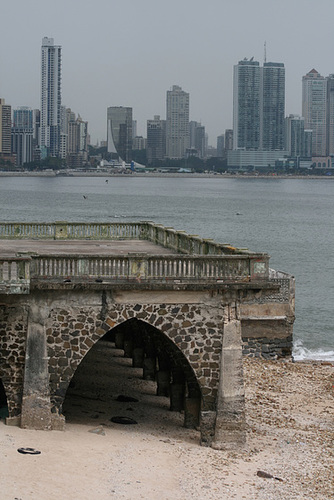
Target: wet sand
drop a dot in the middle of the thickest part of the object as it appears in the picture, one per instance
(290, 435)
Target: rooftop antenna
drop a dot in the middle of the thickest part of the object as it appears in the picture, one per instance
(265, 51)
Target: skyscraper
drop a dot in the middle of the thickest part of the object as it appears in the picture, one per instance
(295, 136)
(22, 135)
(156, 139)
(246, 105)
(330, 115)
(228, 139)
(258, 106)
(177, 122)
(272, 110)
(220, 145)
(119, 132)
(314, 105)
(197, 138)
(5, 128)
(50, 98)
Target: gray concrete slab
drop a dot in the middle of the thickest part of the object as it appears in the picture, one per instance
(82, 247)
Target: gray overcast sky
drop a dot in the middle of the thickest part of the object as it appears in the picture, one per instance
(129, 52)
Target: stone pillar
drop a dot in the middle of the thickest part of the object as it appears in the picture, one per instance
(163, 383)
(138, 357)
(119, 339)
(192, 408)
(36, 405)
(177, 397)
(177, 389)
(128, 347)
(230, 432)
(149, 368)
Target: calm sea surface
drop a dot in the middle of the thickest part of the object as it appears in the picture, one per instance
(292, 220)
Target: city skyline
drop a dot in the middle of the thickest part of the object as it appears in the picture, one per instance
(134, 63)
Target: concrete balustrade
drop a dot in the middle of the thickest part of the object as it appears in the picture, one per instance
(167, 237)
(194, 259)
(14, 275)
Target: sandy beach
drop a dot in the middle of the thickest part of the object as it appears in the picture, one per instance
(290, 436)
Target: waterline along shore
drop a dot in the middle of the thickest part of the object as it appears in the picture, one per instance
(168, 175)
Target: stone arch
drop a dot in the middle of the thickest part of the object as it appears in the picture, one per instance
(190, 329)
(161, 361)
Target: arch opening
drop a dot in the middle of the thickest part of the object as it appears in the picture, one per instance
(135, 360)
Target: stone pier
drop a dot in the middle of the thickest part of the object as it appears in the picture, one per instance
(184, 309)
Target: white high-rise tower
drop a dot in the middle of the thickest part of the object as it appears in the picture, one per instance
(177, 122)
(314, 110)
(50, 98)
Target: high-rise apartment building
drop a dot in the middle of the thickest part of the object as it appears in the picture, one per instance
(77, 147)
(22, 135)
(296, 140)
(314, 107)
(246, 105)
(177, 122)
(330, 115)
(272, 111)
(36, 119)
(258, 106)
(50, 98)
(119, 132)
(228, 139)
(197, 138)
(221, 146)
(156, 139)
(5, 128)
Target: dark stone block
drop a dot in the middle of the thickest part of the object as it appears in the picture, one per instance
(63, 362)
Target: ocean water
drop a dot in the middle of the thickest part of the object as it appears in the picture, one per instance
(290, 219)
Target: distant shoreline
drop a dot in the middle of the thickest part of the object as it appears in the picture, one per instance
(163, 175)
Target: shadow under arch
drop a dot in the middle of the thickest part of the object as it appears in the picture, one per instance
(3, 402)
(134, 346)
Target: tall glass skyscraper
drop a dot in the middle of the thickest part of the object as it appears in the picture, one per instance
(22, 135)
(330, 115)
(119, 132)
(314, 110)
(5, 128)
(258, 106)
(272, 107)
(50, 98)
(246, 105)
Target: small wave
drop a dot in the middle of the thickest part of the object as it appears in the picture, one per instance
(123, 216)
(301, 353)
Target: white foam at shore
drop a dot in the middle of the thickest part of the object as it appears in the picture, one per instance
(301, 353)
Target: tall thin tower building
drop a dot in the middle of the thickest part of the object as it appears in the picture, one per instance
(258, 106)
(22, 135)
(5, 128)
(119, 132)
(50, 98)
(177, 122)
(330, 115)
(272, 107)
(246, 105)
(314, 110)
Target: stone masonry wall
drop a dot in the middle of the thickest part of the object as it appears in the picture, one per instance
(194, 329)
(13, 331)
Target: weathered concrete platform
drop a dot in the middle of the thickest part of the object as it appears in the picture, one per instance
(81, 247)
